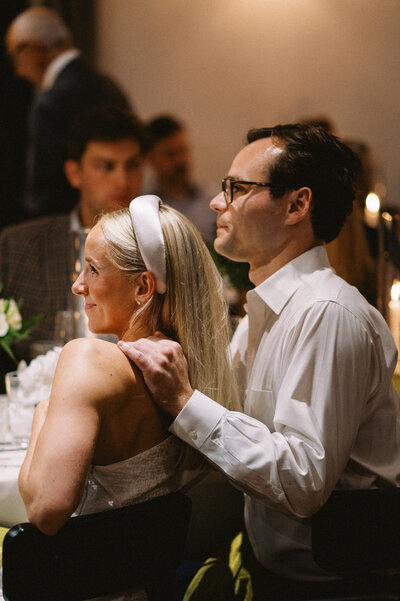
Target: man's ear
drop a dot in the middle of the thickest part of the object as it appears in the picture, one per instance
(72, 170)
(299, 205)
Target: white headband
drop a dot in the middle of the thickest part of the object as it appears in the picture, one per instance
(145, 216)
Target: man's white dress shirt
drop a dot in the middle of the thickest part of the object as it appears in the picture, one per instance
(315, 364)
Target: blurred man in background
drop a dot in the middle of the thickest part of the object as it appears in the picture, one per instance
(42, 51)
(106, 149)
(171, 159)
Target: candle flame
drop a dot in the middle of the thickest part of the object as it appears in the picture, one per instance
(387, 216)
(372, 202)
(395, 290)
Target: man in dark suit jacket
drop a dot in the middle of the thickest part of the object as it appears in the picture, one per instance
(42, 51)
(106, 154)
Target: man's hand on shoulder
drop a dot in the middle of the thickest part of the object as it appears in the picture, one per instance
(164, 368)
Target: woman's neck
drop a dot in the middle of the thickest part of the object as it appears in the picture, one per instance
(134, 333)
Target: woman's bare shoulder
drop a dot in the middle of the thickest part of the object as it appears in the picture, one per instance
(97, 363)
(90, 346)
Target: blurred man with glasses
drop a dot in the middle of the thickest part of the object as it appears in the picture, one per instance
(42, 51)
(314, 360)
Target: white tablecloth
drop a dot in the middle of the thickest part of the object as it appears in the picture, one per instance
(12, 509)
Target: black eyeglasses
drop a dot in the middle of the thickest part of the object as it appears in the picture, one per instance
(229, 183)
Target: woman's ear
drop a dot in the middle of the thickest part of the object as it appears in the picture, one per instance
(299, 205)
(146, 285)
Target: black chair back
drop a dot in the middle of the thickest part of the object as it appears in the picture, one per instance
(139, 546)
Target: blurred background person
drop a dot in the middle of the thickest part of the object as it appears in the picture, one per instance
(171, 160)
(41, 48)
(106, 149)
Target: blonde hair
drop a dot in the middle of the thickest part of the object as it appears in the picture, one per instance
(193, 311)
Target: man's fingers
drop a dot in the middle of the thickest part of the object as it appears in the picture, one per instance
(134, 354)
(164, 368)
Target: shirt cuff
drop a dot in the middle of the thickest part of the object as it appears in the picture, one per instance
(197, 420)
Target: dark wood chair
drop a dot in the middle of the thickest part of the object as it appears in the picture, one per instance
(97, 554)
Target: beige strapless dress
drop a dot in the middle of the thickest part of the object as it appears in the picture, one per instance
(168, 467)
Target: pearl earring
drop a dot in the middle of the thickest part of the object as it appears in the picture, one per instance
(139, 302)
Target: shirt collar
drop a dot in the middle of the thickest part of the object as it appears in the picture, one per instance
(75, 224)
(57, 65)
(276, 290)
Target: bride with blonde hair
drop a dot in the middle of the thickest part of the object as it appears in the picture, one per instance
(99, 440)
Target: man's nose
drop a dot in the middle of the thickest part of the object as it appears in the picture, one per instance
(218, 203)
(121, 177)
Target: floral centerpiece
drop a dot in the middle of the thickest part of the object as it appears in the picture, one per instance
(12, 327)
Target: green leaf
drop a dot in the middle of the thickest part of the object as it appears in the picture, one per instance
(8, 350)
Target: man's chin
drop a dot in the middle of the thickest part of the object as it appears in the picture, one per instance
(227, 251)
(222, 249)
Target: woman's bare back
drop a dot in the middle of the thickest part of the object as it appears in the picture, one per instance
(130, 422)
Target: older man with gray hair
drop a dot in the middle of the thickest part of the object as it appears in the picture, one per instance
(42, 51)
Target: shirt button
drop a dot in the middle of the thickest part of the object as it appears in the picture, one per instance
(193, 435)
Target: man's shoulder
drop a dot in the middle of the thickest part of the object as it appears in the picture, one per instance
(76, 68)
(44, 239)
(81, 80)
(35, 227)
(326, 291)
(324, 285)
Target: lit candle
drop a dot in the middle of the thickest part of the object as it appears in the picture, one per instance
(394, 317)
(371, 211)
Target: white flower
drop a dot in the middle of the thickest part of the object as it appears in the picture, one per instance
(13, 316)
(10, 318)
(3, 323)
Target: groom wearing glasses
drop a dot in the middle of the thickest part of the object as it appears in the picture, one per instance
(313, 360)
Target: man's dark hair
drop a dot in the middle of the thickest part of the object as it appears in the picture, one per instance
(104, 123)
(320, 161)
(163, 127)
